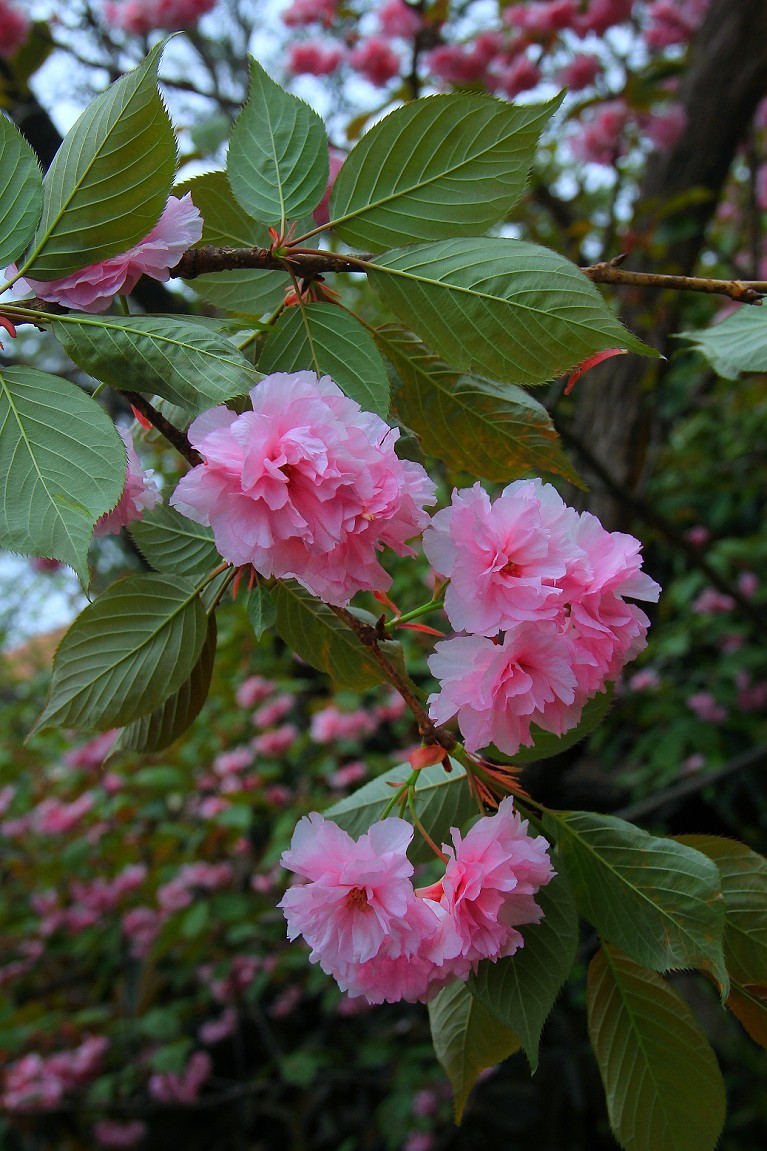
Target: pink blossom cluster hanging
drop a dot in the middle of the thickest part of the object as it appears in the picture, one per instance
(307, 484)
(539, 588)
(378, 936)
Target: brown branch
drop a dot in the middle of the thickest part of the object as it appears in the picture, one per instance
(368, 635)
(744, 291)
(308, 262)
(302, 261)
(172, 434)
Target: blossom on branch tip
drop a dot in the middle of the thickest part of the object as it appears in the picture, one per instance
(551, 582)
(378, 937)
(305, 485)
(93, 288)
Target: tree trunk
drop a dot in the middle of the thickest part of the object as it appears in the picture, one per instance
(725, 80)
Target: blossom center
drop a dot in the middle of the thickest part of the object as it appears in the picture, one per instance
(357, 899)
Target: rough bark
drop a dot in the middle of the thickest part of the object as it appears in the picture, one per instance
(724, 82)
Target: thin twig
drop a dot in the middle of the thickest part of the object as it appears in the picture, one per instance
(685, 787)
(172, 434)
(367, 635)
(610, 272)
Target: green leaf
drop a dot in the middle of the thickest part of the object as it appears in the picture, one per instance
(744, 887)
(195, 919)
(110, 179)
(520, 989)
(315, 632)
(227, 225)
(165, 724)
(545, 744)
(171, 543)
(738, 344)
(62, 466)
(436, 167)
(657, 900)
(246, 293)
(494, 431)
(262, 610)
(512, 311)
(442, 801)
(278, 153)
(179, 360)
(467, 1039)
(663, 1085)
(328, 340)
(21, 192)
(126, 653)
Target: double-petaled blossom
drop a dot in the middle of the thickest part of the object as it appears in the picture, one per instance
(381, 939)
(539, 588)
(93, 288)
(307, 485)
(139, 495)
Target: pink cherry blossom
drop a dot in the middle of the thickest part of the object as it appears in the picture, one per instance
(704, 705)
(456, 64)
(140, 494)
(520, 76)
(502, 560)
(321, 213)
(600, 15)
(139, 17)
(115, 1133)
(305, 485)
(490, 882)
(330, 723)
(357, 909)
(544, 17)
(217, 1029)
(93, 288)
(498, 690)
(275, 742)
(581, 72)
(14, 29)
(376, 60)
(601, 138)
(711, 601)
(185, 1087)
(304, 12)
(395, 18)
(382, 940)
(314, 58)
(253, 690)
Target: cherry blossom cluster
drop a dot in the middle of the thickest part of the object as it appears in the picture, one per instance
(382, 939)
(139, 17)
(539, 591)
(307, 485)
(39, 1083)
(537, 42)
(93, 288)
